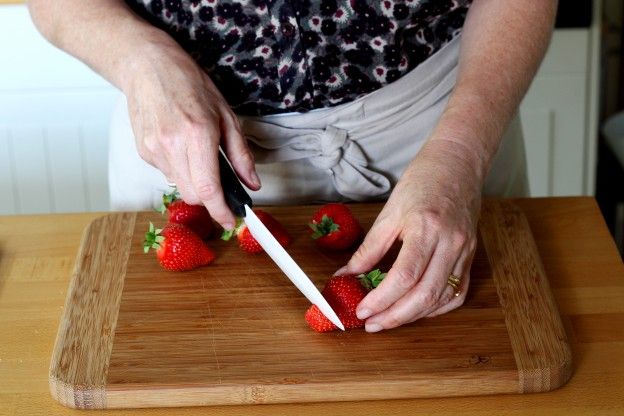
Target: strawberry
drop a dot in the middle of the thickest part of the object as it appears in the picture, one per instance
(196, 217)
(334, 226)
(177, 247)
(246, 240)
(317, 321)
(343, 293)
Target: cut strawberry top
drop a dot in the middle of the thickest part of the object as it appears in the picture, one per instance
(247, 242)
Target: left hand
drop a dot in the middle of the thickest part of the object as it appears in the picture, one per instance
(433, 210)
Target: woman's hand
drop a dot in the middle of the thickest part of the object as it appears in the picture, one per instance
(178, 116)
(433, 210)
(179, 120)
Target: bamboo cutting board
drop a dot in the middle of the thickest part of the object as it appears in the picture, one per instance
(134, 335)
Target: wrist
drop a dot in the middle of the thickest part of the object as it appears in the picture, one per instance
(457, 158)
(146, 49)
(470, 145)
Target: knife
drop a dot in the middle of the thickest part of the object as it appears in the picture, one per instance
(240, 203)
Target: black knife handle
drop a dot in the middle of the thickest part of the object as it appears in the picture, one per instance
(234, 193)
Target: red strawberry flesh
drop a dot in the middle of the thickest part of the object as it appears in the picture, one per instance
(248, 243)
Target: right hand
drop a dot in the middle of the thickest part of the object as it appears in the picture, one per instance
(179, 119)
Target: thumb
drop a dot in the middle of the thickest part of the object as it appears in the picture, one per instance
(375, 245)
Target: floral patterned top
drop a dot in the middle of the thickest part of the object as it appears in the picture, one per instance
(276, 56)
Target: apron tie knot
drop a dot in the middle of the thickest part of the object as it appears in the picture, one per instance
(329, 149)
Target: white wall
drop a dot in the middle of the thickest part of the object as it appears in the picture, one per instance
(54, 114)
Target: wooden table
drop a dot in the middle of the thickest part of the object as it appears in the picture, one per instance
(580, 258)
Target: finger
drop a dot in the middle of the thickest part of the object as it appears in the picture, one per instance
(454, 302)
(412, 260)
(180, 175)
(203, 165)
(455, 299)
(376, 244)
(238, 152)
(423, 297)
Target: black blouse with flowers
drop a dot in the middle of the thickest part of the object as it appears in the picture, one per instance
(275, 56)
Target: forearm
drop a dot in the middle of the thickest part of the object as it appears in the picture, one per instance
(502, 45)
(105, 34)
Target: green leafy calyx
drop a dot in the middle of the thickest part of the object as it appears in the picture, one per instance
(227, 234)
(323, 228)
(153, 239)
(168, 199)
(371, 279)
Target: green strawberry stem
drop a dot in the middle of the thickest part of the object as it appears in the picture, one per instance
(371, 279)
(152, 238)
(168, 199)
(325, 227)
(227, 234)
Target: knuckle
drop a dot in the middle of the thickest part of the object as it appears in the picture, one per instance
(459, 238)
(428, 299)
(404, 279)
(166, 142)
(196, 127)
(188, 197)
(148, 143)
(206, 191)
(432, 219)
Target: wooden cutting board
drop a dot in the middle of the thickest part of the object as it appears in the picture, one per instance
(134, 335)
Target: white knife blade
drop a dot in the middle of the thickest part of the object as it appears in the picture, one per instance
(290, 268)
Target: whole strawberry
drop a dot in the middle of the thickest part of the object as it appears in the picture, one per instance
(343, 293)
(178, 248)
(196, 217)
(246, 240)
(334, 226)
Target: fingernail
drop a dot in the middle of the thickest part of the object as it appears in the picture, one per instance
(364, 313)
(373, 327)
(228, 226)
(340, 271)
(255, 179)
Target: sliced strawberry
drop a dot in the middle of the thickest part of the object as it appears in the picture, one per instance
(317, 321)
(246, 240)
(178, 248)
(333, 226)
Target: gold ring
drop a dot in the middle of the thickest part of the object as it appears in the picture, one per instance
(454, 282)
